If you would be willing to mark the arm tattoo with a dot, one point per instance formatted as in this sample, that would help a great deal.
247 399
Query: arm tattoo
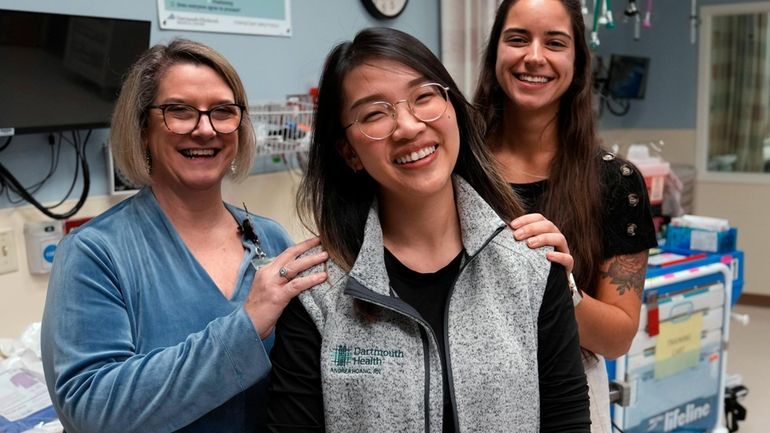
627 272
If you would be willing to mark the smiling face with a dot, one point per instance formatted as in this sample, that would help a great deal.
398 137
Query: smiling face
199 160
535 56
417 159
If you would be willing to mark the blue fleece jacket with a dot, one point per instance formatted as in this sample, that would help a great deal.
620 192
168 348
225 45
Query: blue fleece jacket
136 336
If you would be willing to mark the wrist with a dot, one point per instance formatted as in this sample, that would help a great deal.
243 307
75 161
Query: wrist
258 322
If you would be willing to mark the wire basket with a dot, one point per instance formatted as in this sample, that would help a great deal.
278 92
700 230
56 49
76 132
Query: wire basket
282 128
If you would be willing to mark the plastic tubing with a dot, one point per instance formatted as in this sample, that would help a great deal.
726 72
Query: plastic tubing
648 15
595 28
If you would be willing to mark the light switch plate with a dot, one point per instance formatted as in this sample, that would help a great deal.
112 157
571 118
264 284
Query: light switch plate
8 256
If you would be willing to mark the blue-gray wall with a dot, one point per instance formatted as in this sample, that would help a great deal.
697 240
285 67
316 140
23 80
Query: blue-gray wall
671 97
271 67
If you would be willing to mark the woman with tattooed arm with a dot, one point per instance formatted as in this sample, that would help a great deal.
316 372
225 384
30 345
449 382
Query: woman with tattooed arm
535 94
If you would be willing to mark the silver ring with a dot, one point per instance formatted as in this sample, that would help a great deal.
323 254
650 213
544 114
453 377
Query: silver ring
283 273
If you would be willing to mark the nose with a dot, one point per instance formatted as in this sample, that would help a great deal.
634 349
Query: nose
407 125
204 128
535 54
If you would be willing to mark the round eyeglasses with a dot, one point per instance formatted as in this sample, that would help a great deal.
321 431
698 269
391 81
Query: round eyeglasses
182 119
378 120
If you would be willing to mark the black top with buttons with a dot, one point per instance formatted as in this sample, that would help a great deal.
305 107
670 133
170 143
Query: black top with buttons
625 212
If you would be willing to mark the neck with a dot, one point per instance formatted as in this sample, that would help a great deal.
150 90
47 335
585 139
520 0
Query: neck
423 233
530 131
192 211
526 144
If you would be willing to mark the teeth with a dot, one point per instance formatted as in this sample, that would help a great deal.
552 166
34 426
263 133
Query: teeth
533 78
192 153
417 155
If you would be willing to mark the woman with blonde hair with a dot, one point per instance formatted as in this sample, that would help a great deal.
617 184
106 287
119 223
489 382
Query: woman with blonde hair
160 311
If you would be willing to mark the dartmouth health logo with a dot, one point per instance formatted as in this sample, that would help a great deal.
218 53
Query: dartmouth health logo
341 356
360 360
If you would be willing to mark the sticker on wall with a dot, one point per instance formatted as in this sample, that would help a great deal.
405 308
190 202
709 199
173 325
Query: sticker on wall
264 17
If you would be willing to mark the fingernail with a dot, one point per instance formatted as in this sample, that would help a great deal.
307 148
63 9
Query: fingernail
518 233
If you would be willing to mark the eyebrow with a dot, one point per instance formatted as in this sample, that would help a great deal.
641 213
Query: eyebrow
182 101
379 97
518 30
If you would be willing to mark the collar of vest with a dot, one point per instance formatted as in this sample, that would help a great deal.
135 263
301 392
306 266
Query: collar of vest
478 224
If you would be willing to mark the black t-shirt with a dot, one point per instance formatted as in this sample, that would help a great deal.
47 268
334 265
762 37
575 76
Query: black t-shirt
627 226
295 401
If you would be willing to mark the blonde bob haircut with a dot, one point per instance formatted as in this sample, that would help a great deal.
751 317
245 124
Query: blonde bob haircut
129 119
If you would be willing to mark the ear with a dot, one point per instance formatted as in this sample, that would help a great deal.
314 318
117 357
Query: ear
349 155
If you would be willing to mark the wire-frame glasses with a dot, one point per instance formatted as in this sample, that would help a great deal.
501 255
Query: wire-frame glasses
378 120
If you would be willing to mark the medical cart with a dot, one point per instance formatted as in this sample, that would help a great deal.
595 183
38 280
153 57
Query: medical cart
673 377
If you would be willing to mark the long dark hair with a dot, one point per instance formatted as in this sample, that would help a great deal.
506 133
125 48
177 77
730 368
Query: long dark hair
336 199
573 195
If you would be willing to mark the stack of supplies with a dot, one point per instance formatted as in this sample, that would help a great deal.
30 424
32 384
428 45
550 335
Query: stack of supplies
699 233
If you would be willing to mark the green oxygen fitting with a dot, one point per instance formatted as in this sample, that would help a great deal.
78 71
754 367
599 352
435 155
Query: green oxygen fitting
595 27
608 14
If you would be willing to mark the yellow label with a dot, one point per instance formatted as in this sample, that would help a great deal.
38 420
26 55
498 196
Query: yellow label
678 345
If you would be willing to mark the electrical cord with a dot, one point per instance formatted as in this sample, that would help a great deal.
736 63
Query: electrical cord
3 187
13 184
55 153
32 189
7 142
80 154
617 106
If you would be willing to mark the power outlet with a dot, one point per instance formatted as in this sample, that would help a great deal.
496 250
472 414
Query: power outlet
8 259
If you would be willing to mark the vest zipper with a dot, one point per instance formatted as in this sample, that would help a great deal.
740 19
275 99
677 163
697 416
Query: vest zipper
359 291
363 294
426 362
450 376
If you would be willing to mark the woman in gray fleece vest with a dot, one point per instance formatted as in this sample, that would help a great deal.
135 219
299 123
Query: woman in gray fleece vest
433 318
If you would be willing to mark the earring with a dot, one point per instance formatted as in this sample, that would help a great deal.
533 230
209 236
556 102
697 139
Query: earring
355 165
147 161
233 167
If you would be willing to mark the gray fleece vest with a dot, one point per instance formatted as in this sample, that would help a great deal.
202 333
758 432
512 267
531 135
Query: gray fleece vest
380 365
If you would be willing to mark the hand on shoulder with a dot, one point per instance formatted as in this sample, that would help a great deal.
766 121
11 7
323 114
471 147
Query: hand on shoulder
537 231
276 283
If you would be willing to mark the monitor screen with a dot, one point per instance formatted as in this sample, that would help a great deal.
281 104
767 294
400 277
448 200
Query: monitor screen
63 72
627 78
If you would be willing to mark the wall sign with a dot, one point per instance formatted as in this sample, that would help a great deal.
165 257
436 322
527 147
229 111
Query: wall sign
263 17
